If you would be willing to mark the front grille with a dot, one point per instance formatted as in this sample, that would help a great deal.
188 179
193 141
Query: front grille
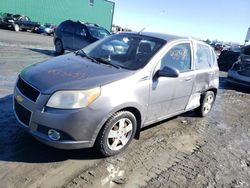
22 113
27 90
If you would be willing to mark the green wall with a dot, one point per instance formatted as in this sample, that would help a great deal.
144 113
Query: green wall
56 11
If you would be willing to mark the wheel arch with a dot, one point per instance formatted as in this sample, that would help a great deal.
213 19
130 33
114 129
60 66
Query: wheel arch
138 117
200 110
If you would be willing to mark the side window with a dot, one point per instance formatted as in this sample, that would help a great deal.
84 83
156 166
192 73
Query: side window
63 26
70 27
203 58
178 57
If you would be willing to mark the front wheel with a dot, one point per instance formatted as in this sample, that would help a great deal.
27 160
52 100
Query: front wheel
207 101
117 133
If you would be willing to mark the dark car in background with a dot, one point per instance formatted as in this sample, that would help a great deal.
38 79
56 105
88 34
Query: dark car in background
17 22
47 29
74 35
218 47
228 57
240 72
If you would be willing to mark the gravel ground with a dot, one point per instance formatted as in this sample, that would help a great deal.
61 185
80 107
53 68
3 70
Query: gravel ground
184 151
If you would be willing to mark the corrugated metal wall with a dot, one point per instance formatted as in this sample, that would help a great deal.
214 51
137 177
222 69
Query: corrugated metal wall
56 11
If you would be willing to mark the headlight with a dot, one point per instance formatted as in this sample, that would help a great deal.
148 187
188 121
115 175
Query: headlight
73 99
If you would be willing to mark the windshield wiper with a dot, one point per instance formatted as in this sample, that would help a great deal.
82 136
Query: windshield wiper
97 60
83 54
106 61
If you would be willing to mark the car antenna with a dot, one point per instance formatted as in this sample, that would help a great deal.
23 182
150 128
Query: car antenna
141 30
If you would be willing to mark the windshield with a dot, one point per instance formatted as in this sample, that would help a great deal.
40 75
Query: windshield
98 32
129 51
16 16
5 15
47 25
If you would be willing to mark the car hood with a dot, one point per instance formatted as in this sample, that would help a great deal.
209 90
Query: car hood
70 72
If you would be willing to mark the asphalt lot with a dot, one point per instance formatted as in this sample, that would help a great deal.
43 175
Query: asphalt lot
25 39
185 151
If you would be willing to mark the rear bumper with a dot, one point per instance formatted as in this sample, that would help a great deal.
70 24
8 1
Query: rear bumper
235 78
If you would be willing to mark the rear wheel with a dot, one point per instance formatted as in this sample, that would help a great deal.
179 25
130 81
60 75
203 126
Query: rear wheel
207 101
59 47
117 133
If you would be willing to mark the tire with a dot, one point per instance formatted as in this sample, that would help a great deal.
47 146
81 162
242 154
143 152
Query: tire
116 134
59 47
34 30
207 101
16 28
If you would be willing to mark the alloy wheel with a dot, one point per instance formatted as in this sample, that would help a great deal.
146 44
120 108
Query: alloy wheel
119 134
208 103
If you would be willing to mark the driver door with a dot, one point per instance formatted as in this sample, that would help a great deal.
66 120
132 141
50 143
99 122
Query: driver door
170 95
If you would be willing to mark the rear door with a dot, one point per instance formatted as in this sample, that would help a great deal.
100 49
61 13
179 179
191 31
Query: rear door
171 95
26 23
67 35
21 21
205 67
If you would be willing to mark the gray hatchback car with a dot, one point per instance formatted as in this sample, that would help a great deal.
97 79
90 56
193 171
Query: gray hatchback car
105 93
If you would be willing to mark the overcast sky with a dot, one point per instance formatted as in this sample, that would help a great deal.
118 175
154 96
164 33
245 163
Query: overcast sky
226 20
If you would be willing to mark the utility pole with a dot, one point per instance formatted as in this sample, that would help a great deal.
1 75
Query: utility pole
247 36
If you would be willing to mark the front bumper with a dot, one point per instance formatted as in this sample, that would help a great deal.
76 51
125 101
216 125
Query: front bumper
235 78
78 127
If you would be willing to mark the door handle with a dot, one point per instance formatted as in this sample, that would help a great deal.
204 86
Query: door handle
188 79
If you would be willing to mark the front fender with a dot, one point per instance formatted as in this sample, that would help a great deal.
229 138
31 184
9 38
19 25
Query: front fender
118 108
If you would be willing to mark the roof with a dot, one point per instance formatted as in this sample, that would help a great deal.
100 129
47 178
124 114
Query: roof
163 36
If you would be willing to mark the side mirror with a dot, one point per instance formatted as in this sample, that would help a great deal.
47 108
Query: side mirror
168 72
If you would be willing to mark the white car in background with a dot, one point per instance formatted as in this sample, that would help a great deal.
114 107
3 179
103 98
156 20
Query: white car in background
46 29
